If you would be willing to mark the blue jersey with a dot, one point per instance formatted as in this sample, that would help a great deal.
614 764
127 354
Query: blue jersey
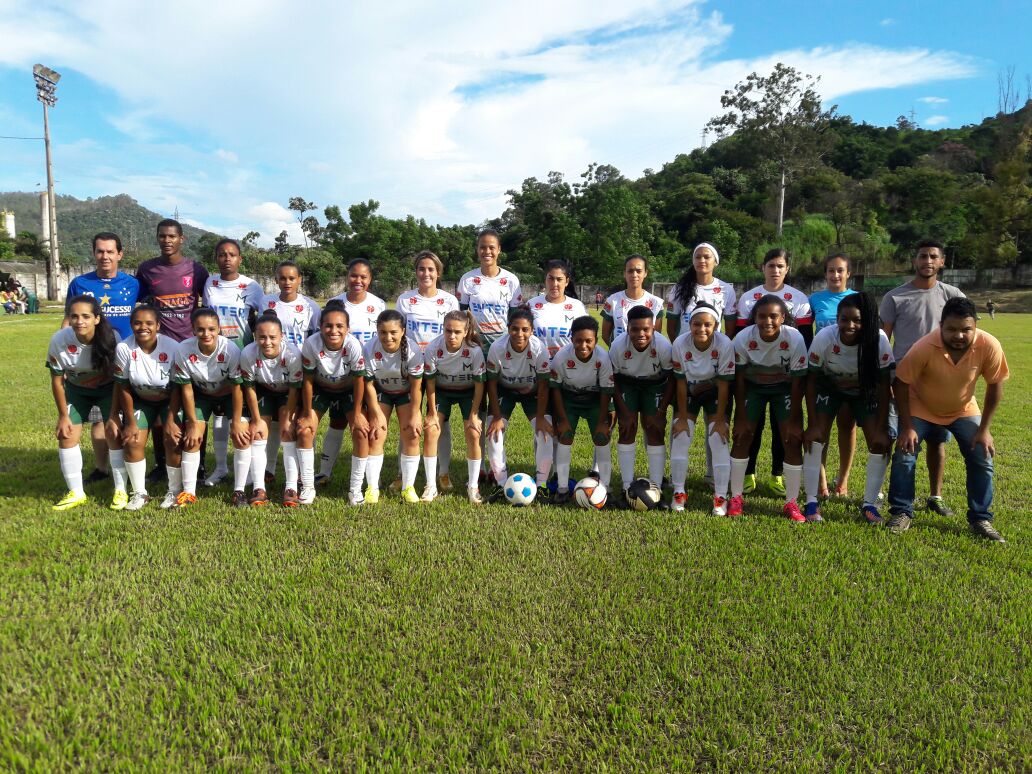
825 307
117 296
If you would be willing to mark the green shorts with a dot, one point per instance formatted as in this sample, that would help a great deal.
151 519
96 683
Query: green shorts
394 398
81 400
778 396
149 413
642 397
830 400
338 404
578 408
448 398
509 399
269 402
206 405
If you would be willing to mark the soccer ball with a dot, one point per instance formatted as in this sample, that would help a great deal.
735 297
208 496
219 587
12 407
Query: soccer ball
590 493
520 489
643 495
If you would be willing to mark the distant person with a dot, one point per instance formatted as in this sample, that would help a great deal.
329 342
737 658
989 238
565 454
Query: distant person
907 313
990 306
935 391
599 298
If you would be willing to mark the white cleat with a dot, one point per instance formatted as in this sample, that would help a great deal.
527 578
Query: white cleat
429 494
217 477
171 500
356 498
474 496
137 501
307 495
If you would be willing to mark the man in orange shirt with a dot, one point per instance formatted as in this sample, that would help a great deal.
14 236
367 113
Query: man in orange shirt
935 389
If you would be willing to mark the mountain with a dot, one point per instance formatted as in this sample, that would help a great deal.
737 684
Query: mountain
78 221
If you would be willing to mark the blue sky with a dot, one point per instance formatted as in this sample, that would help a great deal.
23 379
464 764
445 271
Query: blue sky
226 110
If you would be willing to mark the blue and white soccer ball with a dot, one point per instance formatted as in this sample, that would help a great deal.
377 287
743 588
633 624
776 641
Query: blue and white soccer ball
520 489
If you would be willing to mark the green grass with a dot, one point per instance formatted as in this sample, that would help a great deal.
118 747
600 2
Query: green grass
447 637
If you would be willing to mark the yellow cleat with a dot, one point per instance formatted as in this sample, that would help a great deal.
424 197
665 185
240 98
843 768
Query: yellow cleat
69 501
408 495
372 496
119 500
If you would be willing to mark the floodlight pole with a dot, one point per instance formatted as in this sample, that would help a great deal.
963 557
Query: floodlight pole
46 86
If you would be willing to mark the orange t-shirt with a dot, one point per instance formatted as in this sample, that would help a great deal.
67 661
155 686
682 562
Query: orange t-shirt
941 390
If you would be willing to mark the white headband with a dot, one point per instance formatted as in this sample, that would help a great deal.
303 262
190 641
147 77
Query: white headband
716 255
703 310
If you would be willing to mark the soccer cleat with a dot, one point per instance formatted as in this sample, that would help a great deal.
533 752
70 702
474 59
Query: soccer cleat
812 512
356 498
306 496
561 497
474 495
899 523
544 495
777 486
719 505
259 498
870 514
395 484
985 529
372 496
321 481
137 501
750 484
119 499
169 501
735 506
939 506
95 476
429 494
217 477
444 483
792 512
678 501
408 495
70 500
238 499
185 498
290 498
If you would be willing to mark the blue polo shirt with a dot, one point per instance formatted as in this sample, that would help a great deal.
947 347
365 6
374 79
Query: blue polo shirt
117 296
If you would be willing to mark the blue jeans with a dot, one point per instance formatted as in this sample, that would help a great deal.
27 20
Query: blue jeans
979 468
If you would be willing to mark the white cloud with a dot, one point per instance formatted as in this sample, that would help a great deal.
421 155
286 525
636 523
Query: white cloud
434 110
887 22
935 120
933 100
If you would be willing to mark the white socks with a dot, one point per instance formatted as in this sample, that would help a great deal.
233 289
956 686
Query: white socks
738 468
604 463
473 471
306 468
358 469
430 469
259 450
563 458
289 461
793 476
242 468
542 453
116 461
812 470
409 465
137 474
71 468
175 479
625 454
191 462
877 464
496 454
273 448
220 436
657 463
720 453
330 450
679 446
374 464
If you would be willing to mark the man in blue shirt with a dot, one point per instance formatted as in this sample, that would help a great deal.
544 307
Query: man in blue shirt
117 293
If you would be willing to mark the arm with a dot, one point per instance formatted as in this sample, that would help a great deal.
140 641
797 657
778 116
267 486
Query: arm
624 414
907 441
173 431
124 400
478 400
114 420
293 402
602 428
807 331
984 438
359 421
194 427
730 325
414 427
681 409
494 409
607 331
377 421
562 424
258 428
720 426
64 422
673 325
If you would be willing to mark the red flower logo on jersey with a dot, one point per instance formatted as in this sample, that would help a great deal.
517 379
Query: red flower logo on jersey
258 363
836 349
465 353
502 281
783 345
788 296
757 296
72 348
627 354
370 309
440 353
378 355
508 356
440 302
193 358
567 307
306 361
215 283
299 308
476 280
162 357
753 345
885 357
221 358
598 364
814 357
242 286
714 355
570 364
717 290
134 354
528 353
272 305
648 304
687 356
412 300
652 352
538 305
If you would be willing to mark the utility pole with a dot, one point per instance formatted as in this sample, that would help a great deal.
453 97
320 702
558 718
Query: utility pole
46 92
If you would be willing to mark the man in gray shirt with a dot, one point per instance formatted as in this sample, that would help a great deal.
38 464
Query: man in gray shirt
908 313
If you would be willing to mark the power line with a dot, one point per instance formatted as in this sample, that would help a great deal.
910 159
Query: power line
7 137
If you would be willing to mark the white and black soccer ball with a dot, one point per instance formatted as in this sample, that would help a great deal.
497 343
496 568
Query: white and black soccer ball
590 493
520 489
643 495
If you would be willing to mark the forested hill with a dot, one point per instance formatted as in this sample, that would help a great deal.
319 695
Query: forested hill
79 220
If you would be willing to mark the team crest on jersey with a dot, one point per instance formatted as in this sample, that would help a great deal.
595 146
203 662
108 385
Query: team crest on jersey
440 353
72 348
814 357
378 355
440 302
567 307
570 364
272 305
508 356
648 304
299 308
627 354
885 357
306 361
412 300
836 349
623 302
322 353
652 352
283 363
717 290
687 355
753 345
465 353
538 305
757 296
162 357
714 355
476 280
370 309
242 286
214 283
598 364
188 281
193 358
503 281
783 345
788 296
221 358
529 353
554 374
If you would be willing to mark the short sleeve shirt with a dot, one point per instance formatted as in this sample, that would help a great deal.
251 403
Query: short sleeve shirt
175 289
572 375
388 370
770 362
552 321
718 294
703 367
233 301
212 374
618 305
148 374
458 370
489 299
424 317
941 390
824 304
334 369
116 295
837 362
362 316
299 318
69 356
519 371
651 365
796 301
914 312
277 374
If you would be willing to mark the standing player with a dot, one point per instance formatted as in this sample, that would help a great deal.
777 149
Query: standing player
581 380
237 300
697 285
908 313
614 312
704 369
554 311
81 359
489 291
641 369
117 293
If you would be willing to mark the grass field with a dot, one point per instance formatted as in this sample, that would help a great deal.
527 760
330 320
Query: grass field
446 637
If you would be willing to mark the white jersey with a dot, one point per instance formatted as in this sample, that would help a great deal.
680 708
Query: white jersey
276 374
552 321
362 316
233 301
701 368
837 362
334 369
572 375
209 374
457 370
424 317
770 362
651 365
618 305
718 294
300 317
489 299
519 371
796 301
388 370
67 355
148 374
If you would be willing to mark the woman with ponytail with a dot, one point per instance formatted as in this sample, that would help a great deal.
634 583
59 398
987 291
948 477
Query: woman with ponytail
849 364
697 285
81 360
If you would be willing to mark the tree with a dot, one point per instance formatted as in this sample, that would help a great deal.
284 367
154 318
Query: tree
281 246
300 205
250 240
782 116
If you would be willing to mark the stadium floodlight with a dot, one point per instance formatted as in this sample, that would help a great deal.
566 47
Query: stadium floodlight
46 92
